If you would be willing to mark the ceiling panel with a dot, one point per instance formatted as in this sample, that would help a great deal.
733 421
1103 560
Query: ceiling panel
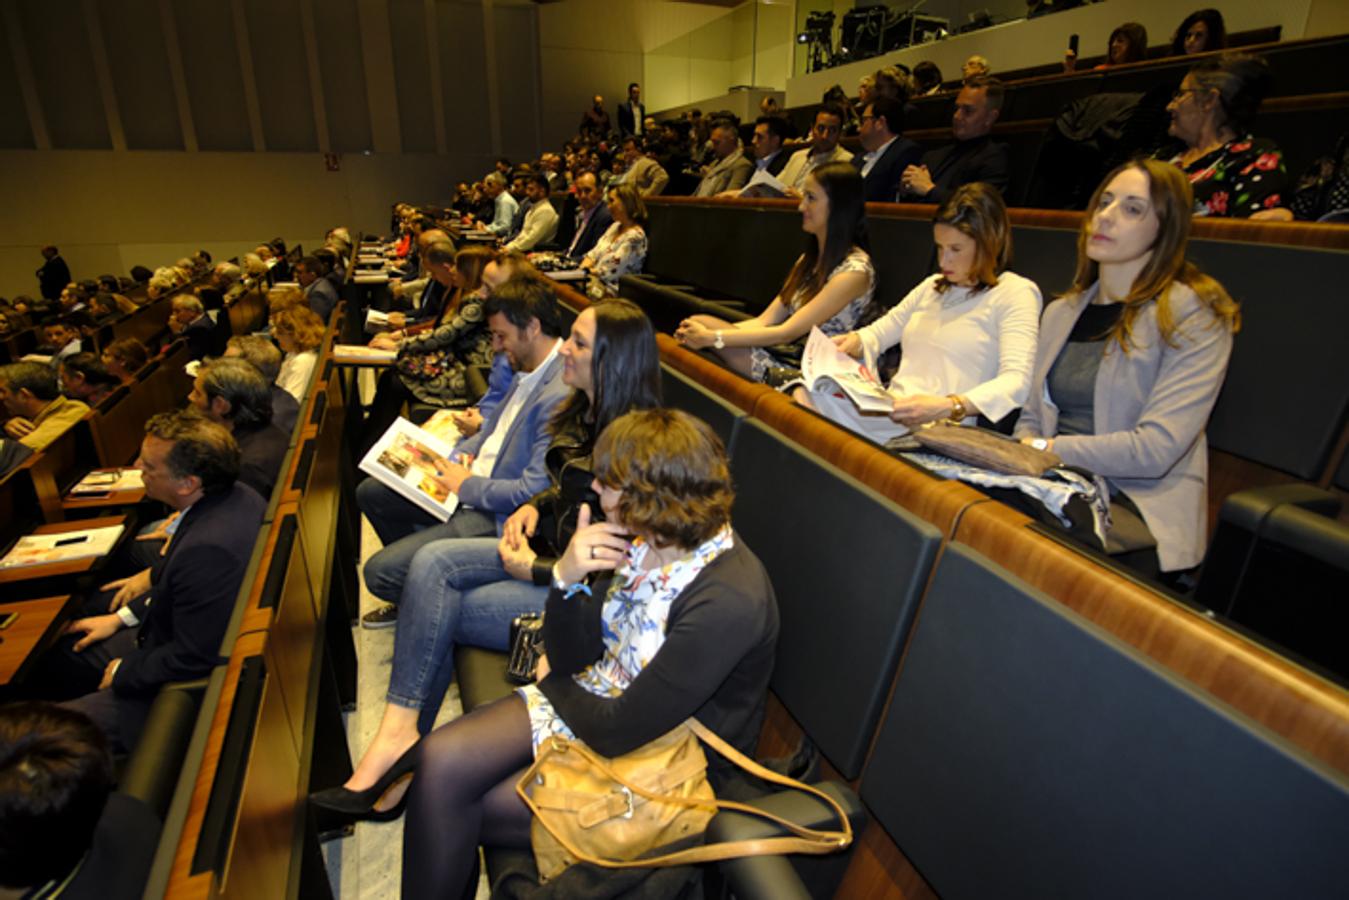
15 133
338 33
139 63
281 71
58 50
412 74
215 88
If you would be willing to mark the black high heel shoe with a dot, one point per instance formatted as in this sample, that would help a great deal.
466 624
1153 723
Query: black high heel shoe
360 805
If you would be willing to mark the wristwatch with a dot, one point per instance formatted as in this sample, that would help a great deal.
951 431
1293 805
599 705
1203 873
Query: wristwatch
957 408
1039 443
718 342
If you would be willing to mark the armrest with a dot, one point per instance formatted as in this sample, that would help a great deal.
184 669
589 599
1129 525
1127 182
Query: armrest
1249 509
781 877
151 772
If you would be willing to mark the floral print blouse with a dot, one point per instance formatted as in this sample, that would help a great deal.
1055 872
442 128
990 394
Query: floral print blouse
614 256
1243 176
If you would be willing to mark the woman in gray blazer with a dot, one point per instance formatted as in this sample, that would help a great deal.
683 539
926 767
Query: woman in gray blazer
1130 361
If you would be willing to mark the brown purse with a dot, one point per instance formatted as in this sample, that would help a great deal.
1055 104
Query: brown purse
618 813
985 449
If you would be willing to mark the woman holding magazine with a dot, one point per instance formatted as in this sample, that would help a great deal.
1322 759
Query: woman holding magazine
829 287
968 332
467 590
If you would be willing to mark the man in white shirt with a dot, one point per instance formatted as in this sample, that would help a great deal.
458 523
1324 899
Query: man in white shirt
503 204
540 225
823 149
495 470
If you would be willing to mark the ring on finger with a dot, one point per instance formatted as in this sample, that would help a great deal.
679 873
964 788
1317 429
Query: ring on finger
592 552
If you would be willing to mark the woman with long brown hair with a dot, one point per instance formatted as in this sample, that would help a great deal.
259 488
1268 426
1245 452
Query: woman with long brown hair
830 286
1130 363
968 332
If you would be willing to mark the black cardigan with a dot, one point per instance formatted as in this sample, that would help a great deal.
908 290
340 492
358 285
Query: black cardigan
715 663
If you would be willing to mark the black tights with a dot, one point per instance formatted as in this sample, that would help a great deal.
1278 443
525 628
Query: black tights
463 796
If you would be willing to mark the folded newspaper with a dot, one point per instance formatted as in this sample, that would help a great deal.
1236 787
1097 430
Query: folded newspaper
829 370
406 459
42 549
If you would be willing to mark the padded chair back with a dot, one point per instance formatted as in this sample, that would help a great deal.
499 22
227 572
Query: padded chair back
681 392
848 567
1027 750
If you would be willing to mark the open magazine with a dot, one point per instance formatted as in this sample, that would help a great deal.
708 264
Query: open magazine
359 353
762 184
42 549
829 370
404 459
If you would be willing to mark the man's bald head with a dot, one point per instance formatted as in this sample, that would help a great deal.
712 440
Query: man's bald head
587 189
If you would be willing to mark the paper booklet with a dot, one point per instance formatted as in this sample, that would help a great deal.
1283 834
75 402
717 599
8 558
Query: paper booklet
404 459
371 278
827 369
41 549
569 275
762 184
105 481
362 353
376 318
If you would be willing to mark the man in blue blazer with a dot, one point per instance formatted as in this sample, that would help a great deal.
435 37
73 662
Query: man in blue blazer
495 470
887 153
317 289
183 603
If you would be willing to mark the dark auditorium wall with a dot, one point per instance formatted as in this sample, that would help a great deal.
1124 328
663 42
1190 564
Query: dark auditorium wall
132 131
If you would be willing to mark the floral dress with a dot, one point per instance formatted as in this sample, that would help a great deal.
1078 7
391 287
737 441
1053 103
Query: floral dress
614 256
1243 176
632 625
845 320
433 366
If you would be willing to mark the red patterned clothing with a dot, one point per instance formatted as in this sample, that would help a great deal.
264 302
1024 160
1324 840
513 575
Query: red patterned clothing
1243 176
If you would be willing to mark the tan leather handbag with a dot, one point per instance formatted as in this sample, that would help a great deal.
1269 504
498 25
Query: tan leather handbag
985 449
618 813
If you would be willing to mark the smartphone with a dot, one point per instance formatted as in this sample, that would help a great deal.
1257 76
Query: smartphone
7 619
1072 43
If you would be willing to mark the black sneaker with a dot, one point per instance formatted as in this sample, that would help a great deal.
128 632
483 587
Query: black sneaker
384 617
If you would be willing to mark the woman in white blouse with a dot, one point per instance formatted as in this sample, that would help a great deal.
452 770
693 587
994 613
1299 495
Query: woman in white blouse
299 332
621 250
968 333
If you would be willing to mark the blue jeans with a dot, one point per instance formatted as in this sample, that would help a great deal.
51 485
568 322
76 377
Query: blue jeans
457 593
404 528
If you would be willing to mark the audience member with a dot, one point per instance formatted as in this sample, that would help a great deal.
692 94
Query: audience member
540 224
234 395
299 332
829 287
188 321
893 83
1128 44
592 216
887 154
125 357
973 157
769 106
632 113
866 89
86 379
503 204
467 590
595 121
495 470
38 414
824 149
974 67
769 133
552 169
643 173
730 170
688 625
65 831
54 274
140 274
621 250
1232 172
264 356
1129 365
62 338
926 79
182 605
836 97
968 333
1201 31
321 294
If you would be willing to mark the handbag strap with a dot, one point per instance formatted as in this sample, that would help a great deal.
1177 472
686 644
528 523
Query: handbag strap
803 839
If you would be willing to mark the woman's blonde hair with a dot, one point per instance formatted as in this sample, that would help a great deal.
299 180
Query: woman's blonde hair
976 210
303 325
633 204
1173 200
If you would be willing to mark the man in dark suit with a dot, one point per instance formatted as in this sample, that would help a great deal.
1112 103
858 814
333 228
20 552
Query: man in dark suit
188 320
233 394
973 157
264 356
631 112
769 133
887 153
592 216
54 275
309 276
183 603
